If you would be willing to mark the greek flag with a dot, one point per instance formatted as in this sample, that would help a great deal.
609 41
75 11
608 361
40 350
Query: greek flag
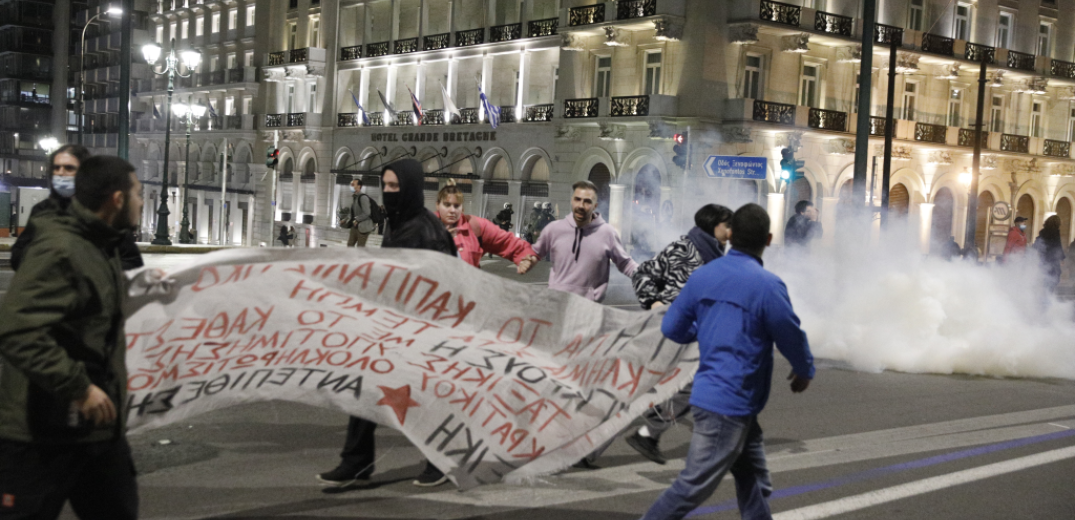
365 118
492 113
156 113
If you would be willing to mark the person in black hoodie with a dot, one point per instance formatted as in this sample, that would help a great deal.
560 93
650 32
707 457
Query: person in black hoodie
409 226
1050 251
65 163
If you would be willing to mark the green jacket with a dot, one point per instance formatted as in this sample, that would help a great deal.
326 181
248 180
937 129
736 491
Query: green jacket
62 328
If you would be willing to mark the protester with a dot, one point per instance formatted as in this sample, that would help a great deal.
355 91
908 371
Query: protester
475 236
359 216
544 220
735 309
657 283
503 219
409 226
1050 251
65 163
1016 244
284 236
581 246
803 227
63 402
950 249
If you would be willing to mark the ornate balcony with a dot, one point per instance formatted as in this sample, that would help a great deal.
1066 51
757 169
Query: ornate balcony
403 119
277 58
469 37
888 34
233 122
1057 148
300 55
375 50
376 118
296 119
1062 69
433 117
774 112
405 46
539 113
980 53
437 42
833 23
1021 61
217 77
781 13
537 28
1014 143
469 116
938 44
828 120
351 53
930 133
239 75
966 137
627 9
586 15
347 119
507 114
505 33
274 120
580 108
629 106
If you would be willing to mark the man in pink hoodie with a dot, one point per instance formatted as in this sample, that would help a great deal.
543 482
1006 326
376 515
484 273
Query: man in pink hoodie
580 247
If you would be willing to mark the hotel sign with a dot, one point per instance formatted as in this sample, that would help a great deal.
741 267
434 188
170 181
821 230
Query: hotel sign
435 137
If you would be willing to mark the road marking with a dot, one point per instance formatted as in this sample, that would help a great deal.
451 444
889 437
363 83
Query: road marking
1060 426
910 489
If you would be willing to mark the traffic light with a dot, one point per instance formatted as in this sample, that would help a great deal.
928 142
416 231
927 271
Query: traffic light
680 149
272 157
790 169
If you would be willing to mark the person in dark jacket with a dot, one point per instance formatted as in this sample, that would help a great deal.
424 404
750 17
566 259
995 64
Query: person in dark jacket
503 219
409 226
64 393
1050 251
65 163
657 283
803 227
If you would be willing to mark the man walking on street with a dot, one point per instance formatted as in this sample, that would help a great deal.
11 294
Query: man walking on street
736 310
359 217
581 246
64 394
803 227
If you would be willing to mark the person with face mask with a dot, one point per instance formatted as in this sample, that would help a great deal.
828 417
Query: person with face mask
63 402
359 216
65 163
1016 245
475 236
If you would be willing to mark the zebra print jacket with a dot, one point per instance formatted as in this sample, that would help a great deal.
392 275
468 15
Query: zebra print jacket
661 278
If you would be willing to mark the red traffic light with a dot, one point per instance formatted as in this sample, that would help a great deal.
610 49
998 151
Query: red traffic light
680 138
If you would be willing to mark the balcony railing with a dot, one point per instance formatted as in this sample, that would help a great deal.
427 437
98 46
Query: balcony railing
347 119
833 23
537 28
627 9
930 133
296 119
980 53
433 117
781 13
300 55
938 44
505 33
403 119
469 116
1057 148
507 114
628 106
1063 69
586 15
1021 61
374 50
237 75
277 58
233 122
966 137
580 108
828 120
376 118
774 112
469 37
437 42
351 53
888 34
405 46
538 113
274 120
1014 143
217 77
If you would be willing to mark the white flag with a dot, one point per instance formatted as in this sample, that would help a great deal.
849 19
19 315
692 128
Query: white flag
449 107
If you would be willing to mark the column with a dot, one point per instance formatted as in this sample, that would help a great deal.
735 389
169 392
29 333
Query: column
776 217
363 88
451 21
828 220
515 196
524 84
250 202
615 206
395 21
423 22
391 87
477 198
453 67
925 224
61 16
367 28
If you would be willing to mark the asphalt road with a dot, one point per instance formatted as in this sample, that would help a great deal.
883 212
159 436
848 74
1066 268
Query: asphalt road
855 445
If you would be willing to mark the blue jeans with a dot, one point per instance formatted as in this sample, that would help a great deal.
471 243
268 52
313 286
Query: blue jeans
720 443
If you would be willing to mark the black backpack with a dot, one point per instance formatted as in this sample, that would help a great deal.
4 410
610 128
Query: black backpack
376 212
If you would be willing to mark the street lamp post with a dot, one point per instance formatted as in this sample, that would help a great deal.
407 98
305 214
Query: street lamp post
191 59
187 113
115 11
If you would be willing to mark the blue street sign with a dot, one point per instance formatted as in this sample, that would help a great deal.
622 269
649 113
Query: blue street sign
735 167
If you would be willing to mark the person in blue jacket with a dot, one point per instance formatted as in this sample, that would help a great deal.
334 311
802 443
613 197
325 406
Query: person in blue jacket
736 310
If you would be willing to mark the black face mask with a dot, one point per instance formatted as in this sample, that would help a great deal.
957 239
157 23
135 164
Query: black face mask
392 201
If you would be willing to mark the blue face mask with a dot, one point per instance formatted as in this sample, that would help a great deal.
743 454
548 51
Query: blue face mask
64 186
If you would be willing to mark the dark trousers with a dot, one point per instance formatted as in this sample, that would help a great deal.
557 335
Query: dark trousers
97 478
358 449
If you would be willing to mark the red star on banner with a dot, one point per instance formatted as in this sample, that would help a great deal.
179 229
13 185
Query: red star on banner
399 399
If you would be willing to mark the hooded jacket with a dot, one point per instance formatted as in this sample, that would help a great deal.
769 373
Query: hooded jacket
410 225
62 329
580 256
129 254
661 278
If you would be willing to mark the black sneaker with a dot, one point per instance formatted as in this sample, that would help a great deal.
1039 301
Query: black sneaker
585 464
430 477
344 475
647 447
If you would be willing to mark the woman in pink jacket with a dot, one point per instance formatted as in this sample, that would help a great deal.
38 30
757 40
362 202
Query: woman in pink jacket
475 236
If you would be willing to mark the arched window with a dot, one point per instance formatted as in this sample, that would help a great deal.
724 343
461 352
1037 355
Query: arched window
602 178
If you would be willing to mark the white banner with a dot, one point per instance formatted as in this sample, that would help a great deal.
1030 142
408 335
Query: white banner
491 379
